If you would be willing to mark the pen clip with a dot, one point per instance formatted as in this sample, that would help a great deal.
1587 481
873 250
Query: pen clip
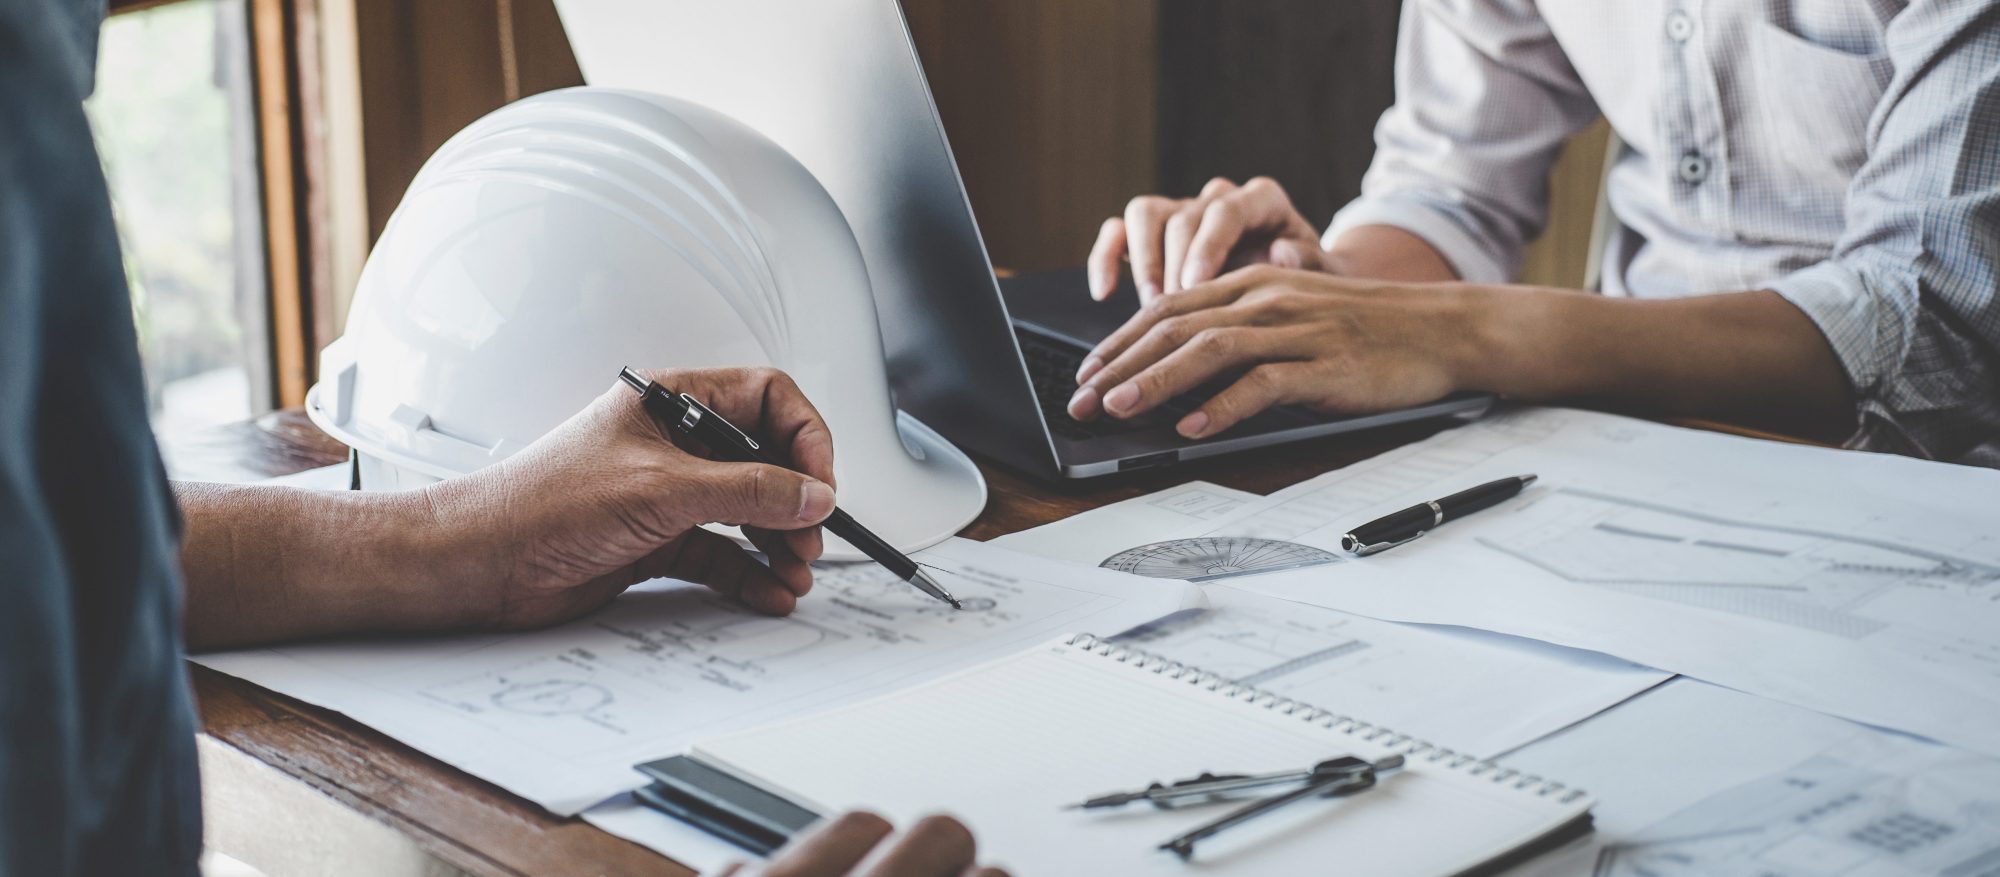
1360 550
697 412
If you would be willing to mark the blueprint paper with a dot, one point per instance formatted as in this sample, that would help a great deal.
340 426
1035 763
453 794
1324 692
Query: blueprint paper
559 716
1693 780
1862 585
1478 693
1469 690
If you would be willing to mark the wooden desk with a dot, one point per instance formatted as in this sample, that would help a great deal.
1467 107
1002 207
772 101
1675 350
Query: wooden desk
295 789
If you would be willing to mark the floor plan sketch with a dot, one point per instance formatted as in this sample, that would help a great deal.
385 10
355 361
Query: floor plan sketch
1830 816
692 641
559 715
1845 584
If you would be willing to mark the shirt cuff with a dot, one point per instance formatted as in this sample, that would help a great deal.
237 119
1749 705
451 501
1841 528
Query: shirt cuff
1865 333
1467 255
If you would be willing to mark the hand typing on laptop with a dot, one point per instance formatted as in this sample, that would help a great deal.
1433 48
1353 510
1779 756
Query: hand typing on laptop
1380 319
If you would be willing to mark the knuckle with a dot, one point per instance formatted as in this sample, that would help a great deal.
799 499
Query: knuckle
761 488
1265 379
1264 296
1111 225
1184 220
1148 205
1264 186
1174 330
1262 274
1222 210
1218 184
1214 341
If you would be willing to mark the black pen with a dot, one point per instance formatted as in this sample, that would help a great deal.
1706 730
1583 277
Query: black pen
686 415
1396 528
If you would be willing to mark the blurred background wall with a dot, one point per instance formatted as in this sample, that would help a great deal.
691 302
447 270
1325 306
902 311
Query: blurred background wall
1058 110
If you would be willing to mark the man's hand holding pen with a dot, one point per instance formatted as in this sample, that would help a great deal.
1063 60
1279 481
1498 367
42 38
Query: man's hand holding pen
611 498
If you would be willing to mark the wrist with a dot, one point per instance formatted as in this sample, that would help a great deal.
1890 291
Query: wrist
1495 338
1513 341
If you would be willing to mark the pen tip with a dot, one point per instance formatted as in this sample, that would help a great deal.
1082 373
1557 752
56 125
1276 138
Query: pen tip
1528 479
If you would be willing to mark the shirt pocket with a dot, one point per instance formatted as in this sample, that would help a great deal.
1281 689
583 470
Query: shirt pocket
1815 102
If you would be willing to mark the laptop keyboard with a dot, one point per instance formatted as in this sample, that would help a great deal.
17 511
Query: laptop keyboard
1052 366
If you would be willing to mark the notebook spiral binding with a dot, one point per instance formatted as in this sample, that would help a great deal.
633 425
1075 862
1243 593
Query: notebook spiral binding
1411 747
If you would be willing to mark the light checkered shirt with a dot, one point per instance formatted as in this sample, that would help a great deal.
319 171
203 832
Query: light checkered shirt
1844 153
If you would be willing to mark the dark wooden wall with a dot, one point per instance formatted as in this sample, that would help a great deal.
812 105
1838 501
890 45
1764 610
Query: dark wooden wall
428 69
1051 108
1058 110
1288 89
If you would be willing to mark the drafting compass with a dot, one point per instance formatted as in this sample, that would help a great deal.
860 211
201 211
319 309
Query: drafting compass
1332 778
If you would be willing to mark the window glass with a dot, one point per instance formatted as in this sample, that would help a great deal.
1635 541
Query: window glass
174 119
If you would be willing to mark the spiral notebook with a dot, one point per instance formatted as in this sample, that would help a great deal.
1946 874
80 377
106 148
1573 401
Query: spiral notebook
1007 745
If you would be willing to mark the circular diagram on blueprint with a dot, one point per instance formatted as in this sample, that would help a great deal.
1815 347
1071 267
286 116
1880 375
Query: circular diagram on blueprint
1212 558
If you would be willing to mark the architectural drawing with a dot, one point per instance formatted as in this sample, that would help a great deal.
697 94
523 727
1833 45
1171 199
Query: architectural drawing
1845 584
1830 816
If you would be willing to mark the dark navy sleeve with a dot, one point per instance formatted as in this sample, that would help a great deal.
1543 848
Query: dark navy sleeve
97 763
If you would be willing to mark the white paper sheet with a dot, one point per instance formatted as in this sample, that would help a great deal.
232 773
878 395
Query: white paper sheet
703 852
559 716
1692 779
1090 537
1476 692
1858 584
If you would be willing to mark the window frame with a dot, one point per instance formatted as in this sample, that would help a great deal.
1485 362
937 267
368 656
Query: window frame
286 81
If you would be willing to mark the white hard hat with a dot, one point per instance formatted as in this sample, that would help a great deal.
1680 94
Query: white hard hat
569 234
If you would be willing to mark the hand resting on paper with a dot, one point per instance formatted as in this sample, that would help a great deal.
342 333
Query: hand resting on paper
858 844
604 501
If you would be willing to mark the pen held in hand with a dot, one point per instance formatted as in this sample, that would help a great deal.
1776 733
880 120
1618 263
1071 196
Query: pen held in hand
687 416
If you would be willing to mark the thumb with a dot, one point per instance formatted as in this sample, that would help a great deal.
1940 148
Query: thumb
760 495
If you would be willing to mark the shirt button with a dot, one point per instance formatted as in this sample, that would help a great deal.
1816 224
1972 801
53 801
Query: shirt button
1693 168
1679 26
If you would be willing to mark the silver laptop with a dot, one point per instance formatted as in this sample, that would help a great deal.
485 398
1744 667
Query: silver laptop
989 363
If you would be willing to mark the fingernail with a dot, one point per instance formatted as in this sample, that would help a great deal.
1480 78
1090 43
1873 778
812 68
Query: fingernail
1090 366
1194 424
815 501
1082 404
1121 398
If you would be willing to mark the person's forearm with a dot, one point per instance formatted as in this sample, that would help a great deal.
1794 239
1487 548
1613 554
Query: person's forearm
1385 252
272 563
1744 357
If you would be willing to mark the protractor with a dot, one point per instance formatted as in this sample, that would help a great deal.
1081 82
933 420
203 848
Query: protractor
1210 558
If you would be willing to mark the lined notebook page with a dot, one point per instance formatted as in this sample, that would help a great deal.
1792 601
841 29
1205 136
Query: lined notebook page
1007 745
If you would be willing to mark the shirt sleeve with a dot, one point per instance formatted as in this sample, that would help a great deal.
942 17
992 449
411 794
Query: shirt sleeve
1485 99
1910 298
